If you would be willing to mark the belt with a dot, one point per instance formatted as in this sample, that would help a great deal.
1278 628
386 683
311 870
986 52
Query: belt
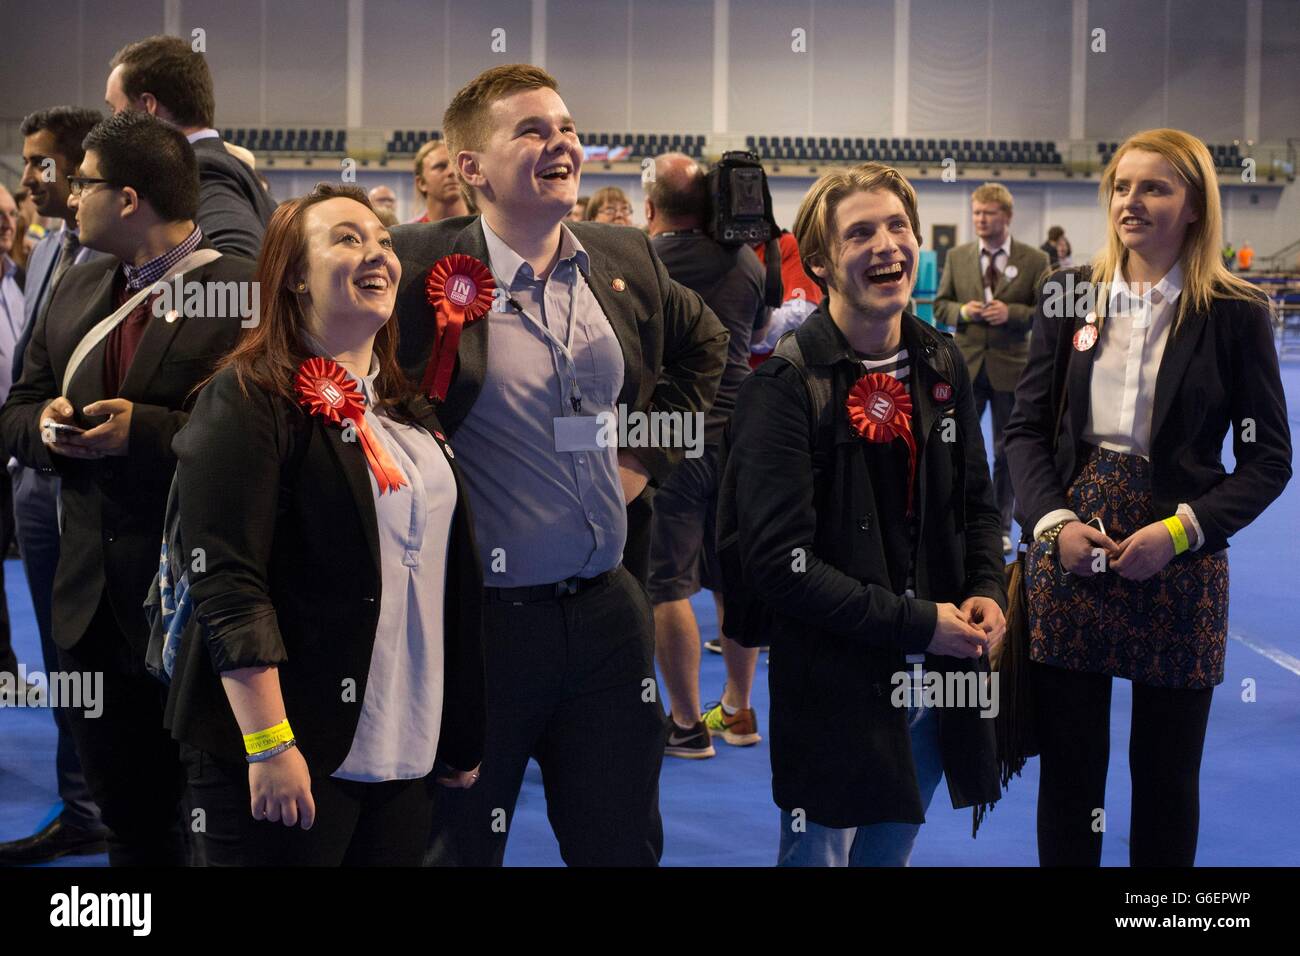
537 593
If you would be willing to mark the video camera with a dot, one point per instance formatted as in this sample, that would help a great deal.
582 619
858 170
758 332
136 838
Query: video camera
740 212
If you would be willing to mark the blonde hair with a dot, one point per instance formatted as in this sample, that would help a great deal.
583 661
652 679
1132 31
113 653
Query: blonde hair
1204 275
994 192
605 196
814 224
421 155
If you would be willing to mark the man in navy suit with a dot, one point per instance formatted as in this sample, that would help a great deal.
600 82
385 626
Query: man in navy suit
51 152
162 75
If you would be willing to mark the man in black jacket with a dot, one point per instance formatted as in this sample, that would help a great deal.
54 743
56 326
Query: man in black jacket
162 75
101 410
587 328
868 531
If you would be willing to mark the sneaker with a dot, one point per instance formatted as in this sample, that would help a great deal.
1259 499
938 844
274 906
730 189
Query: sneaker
739 729
713 646
693 744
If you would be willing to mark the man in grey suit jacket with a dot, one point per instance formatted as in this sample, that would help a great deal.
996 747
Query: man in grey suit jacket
51 152
587 328
988 291
162 75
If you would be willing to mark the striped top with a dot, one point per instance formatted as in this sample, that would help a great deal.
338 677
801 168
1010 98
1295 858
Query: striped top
899 366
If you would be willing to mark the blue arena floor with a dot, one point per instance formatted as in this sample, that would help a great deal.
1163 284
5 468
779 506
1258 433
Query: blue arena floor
719 812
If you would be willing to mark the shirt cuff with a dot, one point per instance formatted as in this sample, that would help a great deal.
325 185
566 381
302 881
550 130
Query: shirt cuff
1053 518
1185 511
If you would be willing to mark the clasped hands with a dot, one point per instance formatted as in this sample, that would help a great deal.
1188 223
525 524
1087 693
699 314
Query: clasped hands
993 313
1136 558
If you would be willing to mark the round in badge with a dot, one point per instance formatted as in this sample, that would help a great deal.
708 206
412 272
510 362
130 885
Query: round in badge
1091 318
1011 272
1085 338
941 391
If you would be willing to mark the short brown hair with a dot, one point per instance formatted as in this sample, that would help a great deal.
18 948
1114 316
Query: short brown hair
605 196
814 224
177 76
994 192
424 151
465 123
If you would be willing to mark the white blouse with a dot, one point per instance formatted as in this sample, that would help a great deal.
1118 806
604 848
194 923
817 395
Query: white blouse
401 713
1122 391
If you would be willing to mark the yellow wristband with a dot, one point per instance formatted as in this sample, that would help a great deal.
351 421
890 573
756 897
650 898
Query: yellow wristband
266 739
1177 532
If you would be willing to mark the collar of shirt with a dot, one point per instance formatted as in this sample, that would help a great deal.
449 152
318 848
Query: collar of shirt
506 263
138 277
367 382
1166 290
203 134
8 267
1005 247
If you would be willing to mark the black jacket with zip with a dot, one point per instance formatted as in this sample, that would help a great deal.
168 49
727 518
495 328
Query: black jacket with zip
810 547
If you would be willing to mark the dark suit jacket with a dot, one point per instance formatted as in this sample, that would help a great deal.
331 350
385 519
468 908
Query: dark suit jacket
283 508
38 292
837 629
113 507
234 209
1219 370
674 347
1001 349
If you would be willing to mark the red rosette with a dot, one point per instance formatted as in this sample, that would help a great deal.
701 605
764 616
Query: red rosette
325 389
880 410
460 289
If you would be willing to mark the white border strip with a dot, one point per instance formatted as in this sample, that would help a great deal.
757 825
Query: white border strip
1280 658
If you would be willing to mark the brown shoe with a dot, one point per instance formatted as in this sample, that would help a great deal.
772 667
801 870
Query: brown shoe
739 729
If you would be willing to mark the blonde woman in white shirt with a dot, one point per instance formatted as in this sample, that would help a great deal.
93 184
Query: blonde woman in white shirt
1128 500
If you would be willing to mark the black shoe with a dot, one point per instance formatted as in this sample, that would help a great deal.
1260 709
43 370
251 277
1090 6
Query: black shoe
55 840
692 744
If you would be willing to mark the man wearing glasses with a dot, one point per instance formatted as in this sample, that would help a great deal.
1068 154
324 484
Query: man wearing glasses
107 381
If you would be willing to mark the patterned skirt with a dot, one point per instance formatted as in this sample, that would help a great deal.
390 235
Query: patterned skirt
1168 631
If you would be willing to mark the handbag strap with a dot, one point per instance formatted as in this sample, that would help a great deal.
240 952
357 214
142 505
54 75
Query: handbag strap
101 329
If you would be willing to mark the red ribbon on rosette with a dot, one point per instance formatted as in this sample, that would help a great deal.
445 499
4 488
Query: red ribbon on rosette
460 289
880 410
325 389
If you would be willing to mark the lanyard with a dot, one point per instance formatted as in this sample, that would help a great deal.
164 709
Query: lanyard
559 349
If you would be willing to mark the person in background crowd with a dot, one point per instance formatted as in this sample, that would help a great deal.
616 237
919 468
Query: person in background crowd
382 198
579 210
1052 247
802 296
683 556
11 327
163 76
609 204
987 292
1128 500
349 781
436 184
105 422
27 217
51 153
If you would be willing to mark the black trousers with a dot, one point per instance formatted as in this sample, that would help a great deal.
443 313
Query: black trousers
357 824
1003 403
130 761
571 683
1072 713
36 525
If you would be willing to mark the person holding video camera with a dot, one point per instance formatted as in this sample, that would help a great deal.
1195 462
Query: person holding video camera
682 554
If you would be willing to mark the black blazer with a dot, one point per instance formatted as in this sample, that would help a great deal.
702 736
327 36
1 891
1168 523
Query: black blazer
282 506
674 348
113 507
1219 369
837 630
234 209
